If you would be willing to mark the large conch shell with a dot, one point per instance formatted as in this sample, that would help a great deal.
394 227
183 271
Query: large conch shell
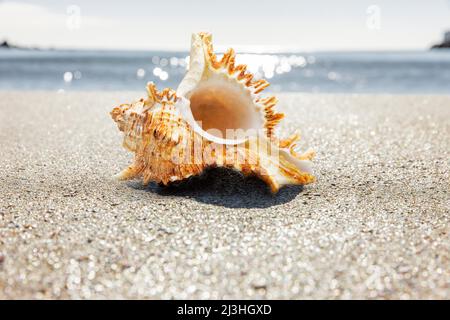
216 118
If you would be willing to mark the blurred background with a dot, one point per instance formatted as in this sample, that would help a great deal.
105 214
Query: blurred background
351 46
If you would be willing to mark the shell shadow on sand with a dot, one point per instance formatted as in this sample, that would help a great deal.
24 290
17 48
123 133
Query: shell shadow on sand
225 187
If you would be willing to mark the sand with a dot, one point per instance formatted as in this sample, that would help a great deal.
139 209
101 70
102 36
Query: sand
375 225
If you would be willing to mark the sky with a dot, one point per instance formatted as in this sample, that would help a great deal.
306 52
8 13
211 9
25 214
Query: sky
280 25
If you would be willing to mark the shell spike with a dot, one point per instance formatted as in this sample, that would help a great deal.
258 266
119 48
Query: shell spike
260 85
241 70
151 94
228 59
289 142
128 173
308 155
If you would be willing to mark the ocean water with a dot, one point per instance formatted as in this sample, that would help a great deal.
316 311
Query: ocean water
425 72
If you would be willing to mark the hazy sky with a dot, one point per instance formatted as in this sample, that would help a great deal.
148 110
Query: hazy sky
278 24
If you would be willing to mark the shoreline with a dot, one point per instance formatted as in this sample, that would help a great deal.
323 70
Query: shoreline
374 225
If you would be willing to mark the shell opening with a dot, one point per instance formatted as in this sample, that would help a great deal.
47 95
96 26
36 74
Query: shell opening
224 109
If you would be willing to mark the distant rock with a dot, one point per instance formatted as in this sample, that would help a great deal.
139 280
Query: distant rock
5 45
445 43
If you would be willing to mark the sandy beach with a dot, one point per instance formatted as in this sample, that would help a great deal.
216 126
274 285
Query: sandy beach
376 223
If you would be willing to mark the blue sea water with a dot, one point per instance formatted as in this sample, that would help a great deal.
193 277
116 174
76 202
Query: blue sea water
327 72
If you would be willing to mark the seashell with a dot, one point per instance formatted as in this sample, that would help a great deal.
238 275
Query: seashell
216 118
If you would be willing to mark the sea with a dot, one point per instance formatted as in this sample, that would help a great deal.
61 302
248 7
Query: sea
407 72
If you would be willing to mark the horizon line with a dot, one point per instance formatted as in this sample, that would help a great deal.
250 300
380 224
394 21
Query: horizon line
255 49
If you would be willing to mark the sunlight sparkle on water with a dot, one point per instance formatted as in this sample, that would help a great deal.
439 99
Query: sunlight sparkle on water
68 77
140 73
157 71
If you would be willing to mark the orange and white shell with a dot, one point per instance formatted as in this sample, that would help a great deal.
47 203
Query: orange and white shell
216 118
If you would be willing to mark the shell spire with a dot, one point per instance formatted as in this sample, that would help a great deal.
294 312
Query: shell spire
216 117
